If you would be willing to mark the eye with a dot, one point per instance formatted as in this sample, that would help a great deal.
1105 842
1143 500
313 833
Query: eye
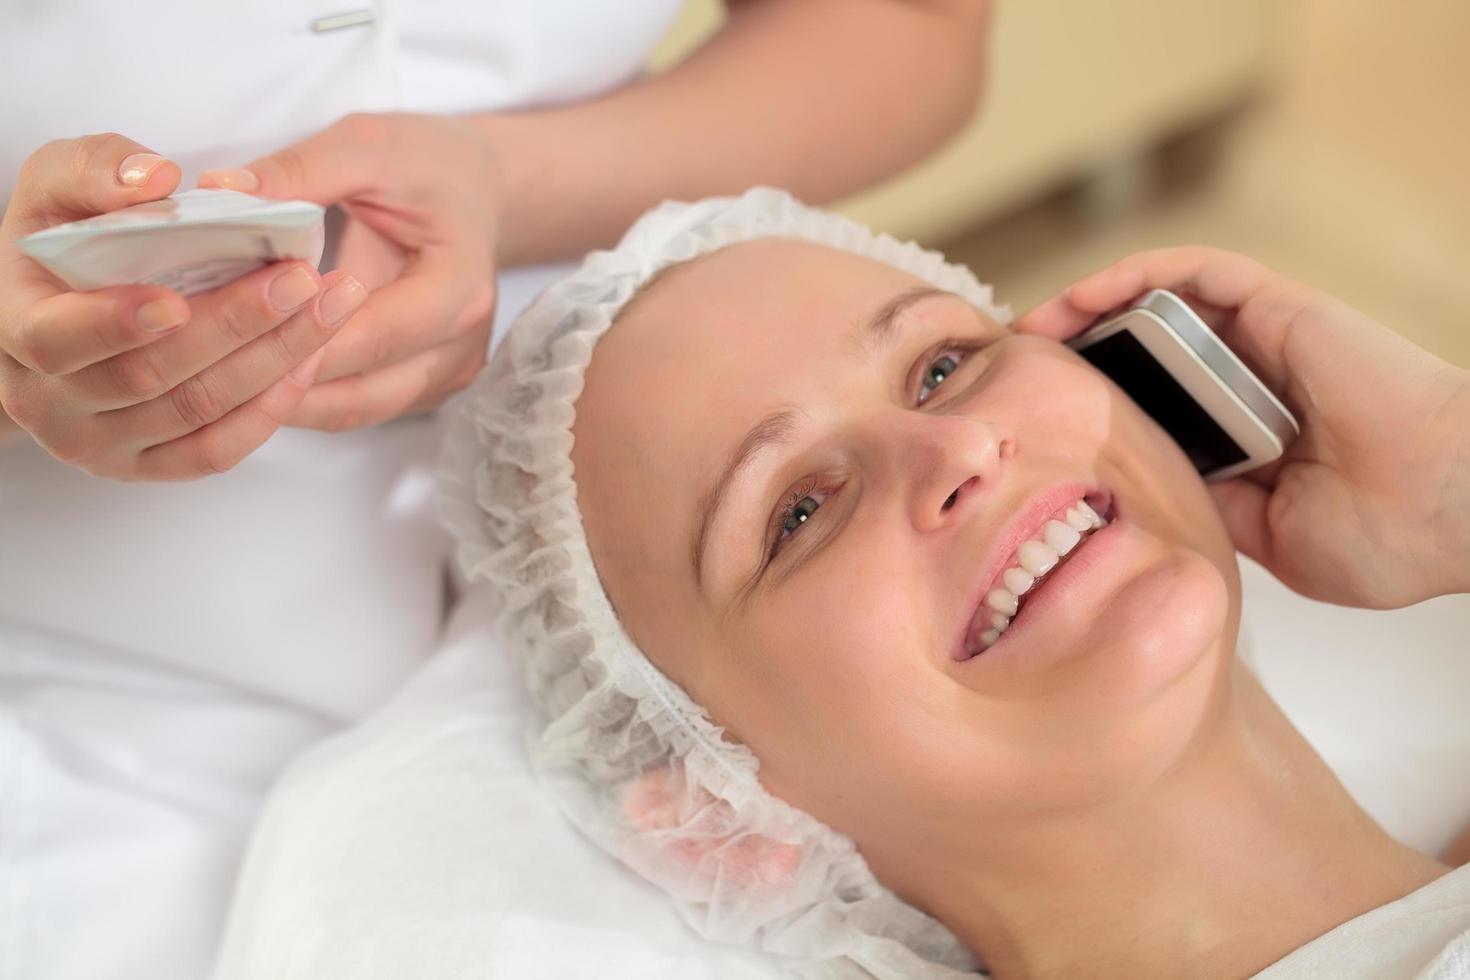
797 508
938 370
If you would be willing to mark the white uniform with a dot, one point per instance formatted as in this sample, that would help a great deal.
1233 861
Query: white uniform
165 648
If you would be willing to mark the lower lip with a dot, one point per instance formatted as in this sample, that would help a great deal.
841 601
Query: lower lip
1065 585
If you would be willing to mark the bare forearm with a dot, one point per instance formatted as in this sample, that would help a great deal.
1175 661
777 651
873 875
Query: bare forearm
822 97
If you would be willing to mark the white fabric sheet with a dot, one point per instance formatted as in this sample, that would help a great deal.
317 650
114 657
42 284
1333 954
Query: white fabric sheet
1422 936
420 839
419 844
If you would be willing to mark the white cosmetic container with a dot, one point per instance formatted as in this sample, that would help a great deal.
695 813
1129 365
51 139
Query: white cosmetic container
190 242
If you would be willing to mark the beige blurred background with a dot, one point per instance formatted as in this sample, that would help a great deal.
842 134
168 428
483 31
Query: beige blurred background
1328 138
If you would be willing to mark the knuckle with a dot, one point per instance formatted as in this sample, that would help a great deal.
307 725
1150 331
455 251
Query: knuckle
134 376
282 349
236 321
379 348
291 165
198 402
365 127
92 152
30 347
73 447
25 409
343 419
481 304
39 164
214 457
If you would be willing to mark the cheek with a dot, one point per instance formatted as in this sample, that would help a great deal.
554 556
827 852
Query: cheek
836 676
1072 410
1053 403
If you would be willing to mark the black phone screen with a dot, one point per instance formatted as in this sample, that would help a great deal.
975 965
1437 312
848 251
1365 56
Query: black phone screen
1132 368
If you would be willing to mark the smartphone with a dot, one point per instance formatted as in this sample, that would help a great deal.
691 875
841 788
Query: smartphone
1173 366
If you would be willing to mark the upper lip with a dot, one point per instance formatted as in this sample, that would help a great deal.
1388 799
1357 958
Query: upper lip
1027 520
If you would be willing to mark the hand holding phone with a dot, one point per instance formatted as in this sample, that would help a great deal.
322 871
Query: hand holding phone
1370 505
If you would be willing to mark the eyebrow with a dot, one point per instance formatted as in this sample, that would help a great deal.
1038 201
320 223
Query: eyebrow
773 430
777 428
879 328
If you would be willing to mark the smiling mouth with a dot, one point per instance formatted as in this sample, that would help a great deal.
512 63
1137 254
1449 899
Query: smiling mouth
1036 559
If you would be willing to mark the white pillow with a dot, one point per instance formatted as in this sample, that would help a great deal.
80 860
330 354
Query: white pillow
419 845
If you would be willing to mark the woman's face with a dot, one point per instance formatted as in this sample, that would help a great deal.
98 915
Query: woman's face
801 473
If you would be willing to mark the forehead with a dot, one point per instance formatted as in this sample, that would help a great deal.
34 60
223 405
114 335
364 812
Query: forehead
750 306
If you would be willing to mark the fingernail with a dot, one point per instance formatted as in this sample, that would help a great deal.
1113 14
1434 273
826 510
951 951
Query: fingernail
232 180
304 372
344 297
136 169
291 289
158 315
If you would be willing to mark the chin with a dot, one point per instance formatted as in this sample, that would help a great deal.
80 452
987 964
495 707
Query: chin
1154 676
1176 619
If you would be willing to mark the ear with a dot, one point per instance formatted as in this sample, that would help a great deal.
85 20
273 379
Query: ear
696 833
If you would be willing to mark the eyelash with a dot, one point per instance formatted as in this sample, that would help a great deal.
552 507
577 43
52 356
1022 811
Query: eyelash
812 485
777 533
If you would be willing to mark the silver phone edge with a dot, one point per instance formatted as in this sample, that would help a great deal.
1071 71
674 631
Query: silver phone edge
1223 361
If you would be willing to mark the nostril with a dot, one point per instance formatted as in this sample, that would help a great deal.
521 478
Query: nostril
955 496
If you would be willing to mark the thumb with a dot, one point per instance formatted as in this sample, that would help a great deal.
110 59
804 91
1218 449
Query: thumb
1243 505
69 179
325 168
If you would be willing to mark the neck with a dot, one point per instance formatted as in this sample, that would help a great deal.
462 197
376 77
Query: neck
1243 851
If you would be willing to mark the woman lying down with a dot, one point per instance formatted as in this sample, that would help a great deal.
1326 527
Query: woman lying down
901 644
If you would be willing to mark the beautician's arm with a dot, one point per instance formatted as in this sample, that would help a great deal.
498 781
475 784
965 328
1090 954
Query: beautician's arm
820 97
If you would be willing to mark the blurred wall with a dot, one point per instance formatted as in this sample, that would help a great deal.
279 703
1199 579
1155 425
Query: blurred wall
1074 86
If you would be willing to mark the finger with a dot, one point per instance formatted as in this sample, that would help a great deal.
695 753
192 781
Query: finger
220 446
1057 319
410 315
217 390
1243 505
77 178
223 320
342 160
1223 279
1215 281
69 331
415 385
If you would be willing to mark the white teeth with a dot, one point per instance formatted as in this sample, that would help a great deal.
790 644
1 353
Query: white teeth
1037 558
1059 537
1089 513
1077 520
1018 581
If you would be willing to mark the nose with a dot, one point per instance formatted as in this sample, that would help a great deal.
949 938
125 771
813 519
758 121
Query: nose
948 462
